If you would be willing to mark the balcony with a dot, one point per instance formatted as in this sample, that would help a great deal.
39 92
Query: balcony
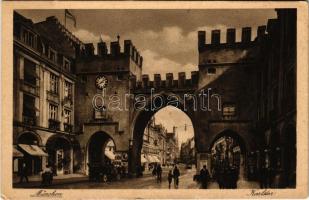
30 120
30 88
68 127
67 101
52 96
54 124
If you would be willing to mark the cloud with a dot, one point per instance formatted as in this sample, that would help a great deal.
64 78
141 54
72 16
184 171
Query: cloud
155 63
90 37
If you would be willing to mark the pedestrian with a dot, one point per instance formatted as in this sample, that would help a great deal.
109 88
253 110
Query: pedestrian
176 175
159 173
47 176
23 173
204 177
154 171
169 178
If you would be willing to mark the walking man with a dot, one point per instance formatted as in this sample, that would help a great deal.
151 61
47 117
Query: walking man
159 173
176 175
204 176
169 178
23 173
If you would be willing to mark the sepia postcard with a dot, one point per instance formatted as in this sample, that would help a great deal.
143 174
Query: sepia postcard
154 100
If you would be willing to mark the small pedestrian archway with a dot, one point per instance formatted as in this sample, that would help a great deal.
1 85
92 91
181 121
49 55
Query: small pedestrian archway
97 147
228 151
60 154
141 119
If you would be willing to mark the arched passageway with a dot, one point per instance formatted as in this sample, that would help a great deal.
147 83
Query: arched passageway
141 131
96 149
60 154
228 159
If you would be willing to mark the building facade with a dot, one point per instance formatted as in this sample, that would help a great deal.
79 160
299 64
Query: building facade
154 144
44 82
276 114
188 152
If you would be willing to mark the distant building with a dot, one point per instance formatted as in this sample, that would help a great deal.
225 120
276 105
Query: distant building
154 144
188 152
172 152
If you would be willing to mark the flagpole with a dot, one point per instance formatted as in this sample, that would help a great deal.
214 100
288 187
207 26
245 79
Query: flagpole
65 19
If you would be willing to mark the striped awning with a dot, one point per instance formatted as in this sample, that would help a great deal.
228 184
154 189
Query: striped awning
110 155
16 153
143 159
33 150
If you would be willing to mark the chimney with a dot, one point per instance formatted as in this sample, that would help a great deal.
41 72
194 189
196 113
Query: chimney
201 39
261 30
230 35
215 37
102 49
115 48
89 49
128 47
246 34
141 61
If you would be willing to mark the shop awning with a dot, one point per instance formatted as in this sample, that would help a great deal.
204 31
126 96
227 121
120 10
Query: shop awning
157 159
17 154
33 150
143 159
110 155
152 159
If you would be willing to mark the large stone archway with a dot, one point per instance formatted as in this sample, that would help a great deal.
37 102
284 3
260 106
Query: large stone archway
141 119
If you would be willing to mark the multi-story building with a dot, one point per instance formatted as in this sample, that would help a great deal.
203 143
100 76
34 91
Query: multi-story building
44 62
276 114
188 152
172 149
154 144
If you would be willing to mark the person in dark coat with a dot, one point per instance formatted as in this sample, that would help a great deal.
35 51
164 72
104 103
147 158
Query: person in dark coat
169 178
204 177
159 173
24 173
176 175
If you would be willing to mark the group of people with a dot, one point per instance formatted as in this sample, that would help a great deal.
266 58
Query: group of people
47 175
172 174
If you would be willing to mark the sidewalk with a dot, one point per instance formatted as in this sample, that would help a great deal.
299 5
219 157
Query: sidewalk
35 181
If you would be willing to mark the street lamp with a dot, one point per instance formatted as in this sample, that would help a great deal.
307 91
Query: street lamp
130 169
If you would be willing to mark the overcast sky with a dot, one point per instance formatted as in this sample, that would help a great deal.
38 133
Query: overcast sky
167 39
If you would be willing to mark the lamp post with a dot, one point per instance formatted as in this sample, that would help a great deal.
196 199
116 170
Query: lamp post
130 168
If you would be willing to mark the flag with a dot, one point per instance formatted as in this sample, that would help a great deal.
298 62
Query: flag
70 16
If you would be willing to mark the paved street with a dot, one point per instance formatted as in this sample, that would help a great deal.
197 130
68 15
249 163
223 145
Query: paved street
149 182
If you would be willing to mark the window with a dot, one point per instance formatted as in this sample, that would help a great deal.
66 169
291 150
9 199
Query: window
229 110
28 106
52 55
66 64
67 116
53 112
67 89
30 72
211 70
28 38
54 83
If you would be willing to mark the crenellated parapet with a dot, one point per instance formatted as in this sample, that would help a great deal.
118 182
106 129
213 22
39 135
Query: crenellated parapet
169 83
115 51
246 38
73 40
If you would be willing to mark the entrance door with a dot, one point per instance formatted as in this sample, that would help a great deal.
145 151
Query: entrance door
59 161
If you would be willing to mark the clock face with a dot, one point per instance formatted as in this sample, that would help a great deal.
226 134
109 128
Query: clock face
101 82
